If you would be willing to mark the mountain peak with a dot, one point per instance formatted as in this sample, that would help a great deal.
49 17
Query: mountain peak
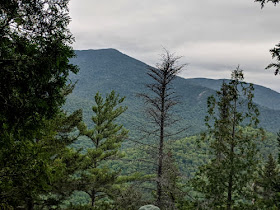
100 51
108 69
104 50
108 55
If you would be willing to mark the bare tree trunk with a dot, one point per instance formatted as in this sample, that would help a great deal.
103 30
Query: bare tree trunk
159 174
161 143
158 109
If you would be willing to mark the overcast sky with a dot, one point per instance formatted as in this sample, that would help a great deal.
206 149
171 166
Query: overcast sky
212 36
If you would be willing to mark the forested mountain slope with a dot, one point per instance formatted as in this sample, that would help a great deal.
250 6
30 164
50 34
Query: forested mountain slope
263 96
108 69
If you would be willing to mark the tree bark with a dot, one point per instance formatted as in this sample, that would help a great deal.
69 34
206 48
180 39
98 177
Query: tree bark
230 181
160 156
30 203
93 195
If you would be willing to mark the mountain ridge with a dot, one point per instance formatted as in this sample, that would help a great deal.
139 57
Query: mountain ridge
108 69
268 100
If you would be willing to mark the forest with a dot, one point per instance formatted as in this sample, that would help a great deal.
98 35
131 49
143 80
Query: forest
94 140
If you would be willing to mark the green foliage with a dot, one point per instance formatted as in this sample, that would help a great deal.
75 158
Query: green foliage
34 61
129 198
107 70
96 179
40 171
225 179
275 52
63 161
187 156
265 97
267 185
172 190
23 172
34 68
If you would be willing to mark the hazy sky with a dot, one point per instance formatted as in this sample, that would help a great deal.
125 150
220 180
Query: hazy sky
212 36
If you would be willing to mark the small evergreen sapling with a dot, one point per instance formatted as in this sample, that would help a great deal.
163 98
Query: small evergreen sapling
267 185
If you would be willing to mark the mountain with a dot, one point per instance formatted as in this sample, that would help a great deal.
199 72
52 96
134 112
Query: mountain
108 69
263 96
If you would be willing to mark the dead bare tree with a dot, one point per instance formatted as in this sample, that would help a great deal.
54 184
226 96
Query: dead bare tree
159 103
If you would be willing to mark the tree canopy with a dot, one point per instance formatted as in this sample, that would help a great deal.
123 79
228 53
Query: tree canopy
225 179
34 60
34 67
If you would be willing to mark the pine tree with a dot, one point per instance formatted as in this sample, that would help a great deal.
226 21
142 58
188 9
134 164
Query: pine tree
267 185
106 136
40 175
63 161
232 147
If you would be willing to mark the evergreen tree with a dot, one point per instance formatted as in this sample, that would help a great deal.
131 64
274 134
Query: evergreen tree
106 136
63 162
275 52
225 178
268 185
34 67
34 61
40 174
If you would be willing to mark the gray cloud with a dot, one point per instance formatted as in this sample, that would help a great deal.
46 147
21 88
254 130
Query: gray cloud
213 36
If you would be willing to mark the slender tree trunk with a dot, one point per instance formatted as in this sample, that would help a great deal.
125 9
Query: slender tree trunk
30 203
230 181
93 195
172 200
161 142
160 163
159 105
159 184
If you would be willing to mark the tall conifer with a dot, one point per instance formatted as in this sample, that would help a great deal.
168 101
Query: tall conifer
226 177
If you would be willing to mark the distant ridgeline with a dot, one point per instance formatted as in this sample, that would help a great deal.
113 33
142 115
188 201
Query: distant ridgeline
108 69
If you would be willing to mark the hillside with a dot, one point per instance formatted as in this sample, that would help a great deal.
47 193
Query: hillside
263 96
108 69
